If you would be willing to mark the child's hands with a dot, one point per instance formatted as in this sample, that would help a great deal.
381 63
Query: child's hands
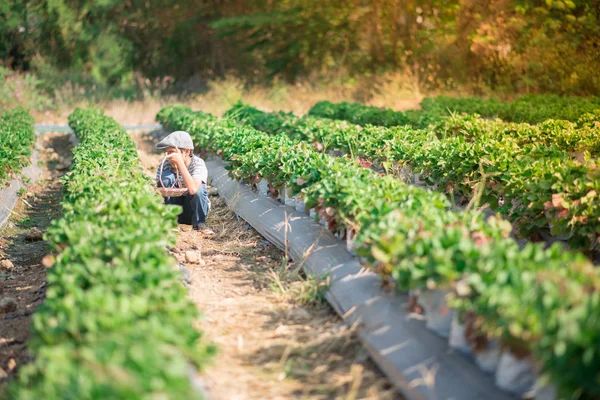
175 158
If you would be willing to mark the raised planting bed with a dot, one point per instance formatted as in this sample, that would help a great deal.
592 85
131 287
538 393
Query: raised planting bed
116 322
544 178
18 161
395 338
533 309
528 108
531 108
10 194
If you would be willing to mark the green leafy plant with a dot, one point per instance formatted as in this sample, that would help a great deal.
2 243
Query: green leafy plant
530 108
520 170
16 131
415 240
116 322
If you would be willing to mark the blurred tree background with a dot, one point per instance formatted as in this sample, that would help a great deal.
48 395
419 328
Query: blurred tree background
481 46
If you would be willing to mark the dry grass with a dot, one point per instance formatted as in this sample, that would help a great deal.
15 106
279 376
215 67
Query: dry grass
278 337
392 91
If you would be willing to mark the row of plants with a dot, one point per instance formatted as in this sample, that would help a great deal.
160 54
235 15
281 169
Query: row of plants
539 302
362 115
543 177
532 108
116 322
16 142
580 136
529 108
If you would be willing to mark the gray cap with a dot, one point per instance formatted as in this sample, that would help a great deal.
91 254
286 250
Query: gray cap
179 139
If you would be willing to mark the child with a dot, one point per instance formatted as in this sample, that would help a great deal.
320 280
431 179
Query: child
185 170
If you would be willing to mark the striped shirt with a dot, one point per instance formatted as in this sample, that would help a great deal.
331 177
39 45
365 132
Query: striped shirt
197 170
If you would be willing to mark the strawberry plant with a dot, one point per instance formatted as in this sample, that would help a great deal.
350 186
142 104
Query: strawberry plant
359 114
116 322
528 108
517 169
17 138
414 238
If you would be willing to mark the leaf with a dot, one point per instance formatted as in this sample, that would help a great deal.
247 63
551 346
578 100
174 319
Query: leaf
560 348
380 255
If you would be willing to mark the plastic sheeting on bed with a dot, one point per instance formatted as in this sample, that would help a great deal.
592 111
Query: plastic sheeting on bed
418 362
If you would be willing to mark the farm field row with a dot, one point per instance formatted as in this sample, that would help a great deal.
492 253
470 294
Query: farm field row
528 108
116 322
536 301
579 136
543 177
16 142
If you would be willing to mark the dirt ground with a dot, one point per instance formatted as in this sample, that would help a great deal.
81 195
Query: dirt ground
277 338
23 286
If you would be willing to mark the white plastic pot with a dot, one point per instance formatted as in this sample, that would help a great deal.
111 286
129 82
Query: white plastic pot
489 358
300 205
289 200
263 187
437 312
416 179
281 196
312 213
515 375
458 335
350 241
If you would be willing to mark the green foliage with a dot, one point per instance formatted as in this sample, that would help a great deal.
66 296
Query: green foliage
544 177
109 47
526 46
529 108
543 301
360 114
116 322
16 141
313 43
498 46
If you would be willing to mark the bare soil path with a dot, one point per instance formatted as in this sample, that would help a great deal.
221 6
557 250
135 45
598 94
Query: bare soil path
276 339
22 275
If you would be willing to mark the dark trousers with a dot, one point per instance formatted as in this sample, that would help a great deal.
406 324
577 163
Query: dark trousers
195 207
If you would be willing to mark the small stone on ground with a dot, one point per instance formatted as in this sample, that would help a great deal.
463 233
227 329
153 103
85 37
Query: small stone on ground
8 305
34 235
6 265
192 257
